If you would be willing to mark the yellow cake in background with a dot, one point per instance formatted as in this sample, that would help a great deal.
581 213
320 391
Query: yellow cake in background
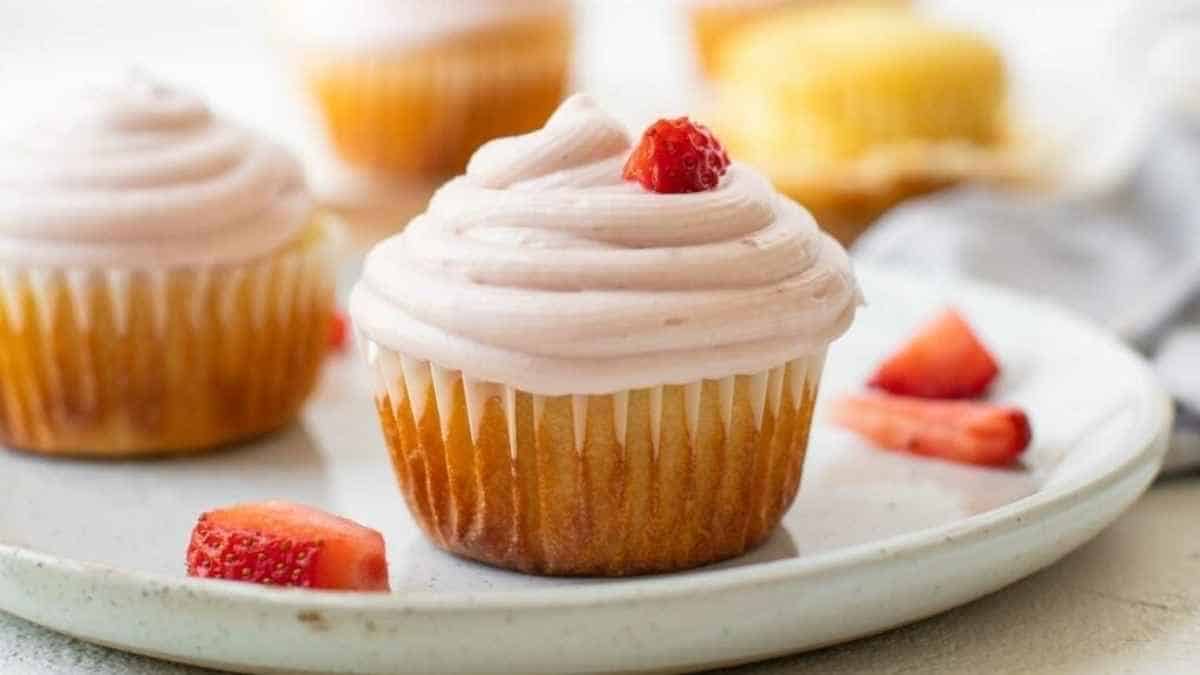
413 88
712 22
851 109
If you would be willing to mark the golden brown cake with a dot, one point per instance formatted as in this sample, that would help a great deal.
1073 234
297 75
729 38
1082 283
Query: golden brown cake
165 284
580 376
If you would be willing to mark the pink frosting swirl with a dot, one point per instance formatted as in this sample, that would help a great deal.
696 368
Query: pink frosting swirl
542 269
134 172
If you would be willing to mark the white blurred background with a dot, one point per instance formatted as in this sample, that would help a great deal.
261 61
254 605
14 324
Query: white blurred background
1074 63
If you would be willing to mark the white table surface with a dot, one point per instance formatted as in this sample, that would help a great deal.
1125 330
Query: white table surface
1128 602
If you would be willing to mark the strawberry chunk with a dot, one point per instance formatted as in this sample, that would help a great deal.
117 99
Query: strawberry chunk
283 544
338 331
943 360
960 431
677 156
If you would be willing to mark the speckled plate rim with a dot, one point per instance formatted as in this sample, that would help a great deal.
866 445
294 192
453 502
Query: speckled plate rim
1146 445
984 525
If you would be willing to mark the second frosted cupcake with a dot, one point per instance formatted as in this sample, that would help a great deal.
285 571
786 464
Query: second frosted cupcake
581 376
166 283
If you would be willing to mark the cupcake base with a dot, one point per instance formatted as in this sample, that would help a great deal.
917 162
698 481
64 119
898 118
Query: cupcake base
641 481
124 362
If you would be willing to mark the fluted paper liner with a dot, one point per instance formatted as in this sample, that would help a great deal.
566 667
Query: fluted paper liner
129 361
640 481
423 111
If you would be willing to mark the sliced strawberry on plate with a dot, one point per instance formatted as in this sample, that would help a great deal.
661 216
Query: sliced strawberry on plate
961 431
943 360
283 544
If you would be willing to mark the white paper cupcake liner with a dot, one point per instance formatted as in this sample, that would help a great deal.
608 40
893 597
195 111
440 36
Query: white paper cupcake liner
124 360
635 481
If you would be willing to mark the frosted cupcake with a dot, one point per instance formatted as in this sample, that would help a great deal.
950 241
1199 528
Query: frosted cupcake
414 87
852 109
581 376
165 284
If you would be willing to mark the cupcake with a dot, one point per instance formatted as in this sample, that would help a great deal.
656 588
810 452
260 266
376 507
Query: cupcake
165 283
852 109
413 87
578 376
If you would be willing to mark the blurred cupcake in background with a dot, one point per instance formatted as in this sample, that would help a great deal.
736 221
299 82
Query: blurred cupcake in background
165 282
851 109
413 87
712 22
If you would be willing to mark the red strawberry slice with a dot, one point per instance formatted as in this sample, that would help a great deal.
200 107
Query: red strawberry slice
338 331
960 431
944 360
282 544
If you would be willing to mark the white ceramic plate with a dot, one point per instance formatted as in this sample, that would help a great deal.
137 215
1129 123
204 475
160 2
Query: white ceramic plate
875 540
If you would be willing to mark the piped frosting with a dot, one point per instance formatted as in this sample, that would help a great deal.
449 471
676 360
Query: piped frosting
133 173
542 269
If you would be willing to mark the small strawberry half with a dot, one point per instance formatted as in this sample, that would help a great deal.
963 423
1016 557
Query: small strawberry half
677 156
943 360
960 431
283 544
338 331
